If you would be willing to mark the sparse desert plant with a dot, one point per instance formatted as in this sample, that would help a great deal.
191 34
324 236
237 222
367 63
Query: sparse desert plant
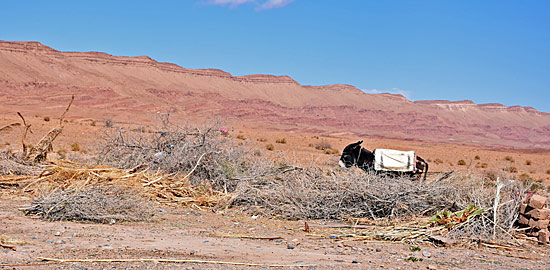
108 123
46 118
241 137
331 151
484 165
93 123
535 185
477 157
509 158
428 160
528 162
75 147
461 162
258 153
511 169
270 147
548 171
281 141
262 139
323 145
451 164
62 153
438 161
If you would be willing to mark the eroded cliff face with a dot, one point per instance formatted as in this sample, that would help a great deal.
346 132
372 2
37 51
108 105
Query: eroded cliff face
35 77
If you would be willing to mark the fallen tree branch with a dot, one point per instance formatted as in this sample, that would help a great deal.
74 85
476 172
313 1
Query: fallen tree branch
250 237
197 164
27 129
39 152
172 261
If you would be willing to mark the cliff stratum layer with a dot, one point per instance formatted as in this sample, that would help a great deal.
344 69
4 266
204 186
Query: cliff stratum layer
36 78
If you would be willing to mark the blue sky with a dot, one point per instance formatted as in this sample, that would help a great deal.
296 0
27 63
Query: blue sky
486 51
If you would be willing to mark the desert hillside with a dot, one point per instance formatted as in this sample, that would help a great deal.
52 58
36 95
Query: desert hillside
37 79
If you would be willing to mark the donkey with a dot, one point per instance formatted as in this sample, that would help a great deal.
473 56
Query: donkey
355 155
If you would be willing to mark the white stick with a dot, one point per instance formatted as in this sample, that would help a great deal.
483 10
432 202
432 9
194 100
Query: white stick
495 205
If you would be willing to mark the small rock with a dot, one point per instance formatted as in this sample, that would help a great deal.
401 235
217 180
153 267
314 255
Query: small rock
431 267
278 240
378 249
355 261
113 221
289 246
49 241
57 233
426 254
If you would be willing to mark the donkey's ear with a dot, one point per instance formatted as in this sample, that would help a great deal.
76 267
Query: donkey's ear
359 142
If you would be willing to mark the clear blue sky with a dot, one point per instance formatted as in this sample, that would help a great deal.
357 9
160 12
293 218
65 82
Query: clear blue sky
485 51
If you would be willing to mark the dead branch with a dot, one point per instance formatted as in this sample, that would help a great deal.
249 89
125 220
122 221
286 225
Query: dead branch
27 129
65 112
39 152
172 261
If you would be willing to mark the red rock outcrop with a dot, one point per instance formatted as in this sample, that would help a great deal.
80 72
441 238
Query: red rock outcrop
36 77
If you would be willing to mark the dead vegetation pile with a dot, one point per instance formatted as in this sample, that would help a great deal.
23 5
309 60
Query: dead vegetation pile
207 152
12 164
96 204
312 194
